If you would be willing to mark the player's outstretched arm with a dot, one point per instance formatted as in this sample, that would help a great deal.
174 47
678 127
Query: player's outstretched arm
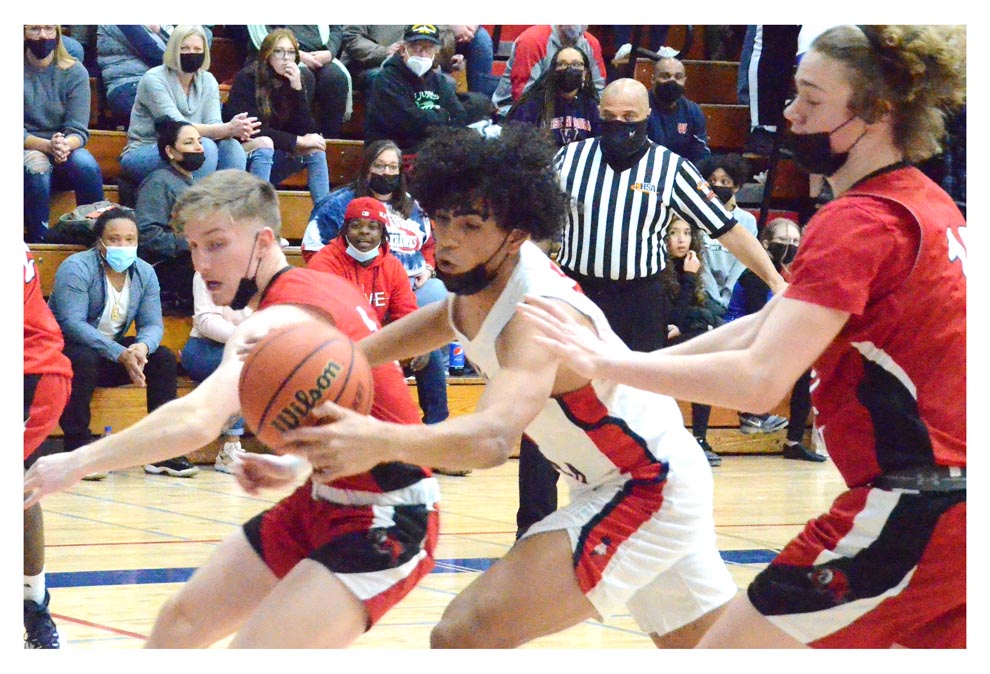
176 428
345 443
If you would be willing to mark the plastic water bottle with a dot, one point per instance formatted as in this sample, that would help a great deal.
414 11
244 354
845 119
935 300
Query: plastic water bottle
456 368
107 430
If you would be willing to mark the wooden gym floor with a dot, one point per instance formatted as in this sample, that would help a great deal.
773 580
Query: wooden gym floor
117 549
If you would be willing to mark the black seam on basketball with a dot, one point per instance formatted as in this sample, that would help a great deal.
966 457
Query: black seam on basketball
350 370
288 378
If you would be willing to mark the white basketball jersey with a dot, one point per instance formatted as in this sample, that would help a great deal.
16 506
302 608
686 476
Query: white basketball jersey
600 432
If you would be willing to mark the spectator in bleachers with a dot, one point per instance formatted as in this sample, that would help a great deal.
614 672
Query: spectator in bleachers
691 311
56 121
326 79
272 90
675 121
474 44
781 237
124 54
183 88
530 58
97 295
477 106
726 174
180 145
411 240
212 327
360 253
365 49
564 100
410 97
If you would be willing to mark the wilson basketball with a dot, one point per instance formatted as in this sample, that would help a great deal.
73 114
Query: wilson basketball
295 368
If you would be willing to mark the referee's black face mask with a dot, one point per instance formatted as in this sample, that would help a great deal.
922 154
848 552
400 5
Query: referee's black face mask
622 141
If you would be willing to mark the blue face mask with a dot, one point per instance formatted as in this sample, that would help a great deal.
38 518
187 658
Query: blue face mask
120 258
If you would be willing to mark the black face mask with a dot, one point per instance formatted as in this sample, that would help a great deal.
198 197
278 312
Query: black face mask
667 92
475 279
190 63
723 193
384 183
248 287
41 47
191 161
623 141
569 79
781 253
812 152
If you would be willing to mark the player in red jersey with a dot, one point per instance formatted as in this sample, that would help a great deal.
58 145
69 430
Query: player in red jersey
877 303
47 384
330 559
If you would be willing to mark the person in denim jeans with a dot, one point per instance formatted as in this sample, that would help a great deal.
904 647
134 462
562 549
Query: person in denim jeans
272 89
183 88
56 117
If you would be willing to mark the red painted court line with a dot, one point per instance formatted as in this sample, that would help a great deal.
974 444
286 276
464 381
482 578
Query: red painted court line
93 545
107 628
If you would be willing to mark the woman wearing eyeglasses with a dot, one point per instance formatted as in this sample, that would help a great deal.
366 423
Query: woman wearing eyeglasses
272 90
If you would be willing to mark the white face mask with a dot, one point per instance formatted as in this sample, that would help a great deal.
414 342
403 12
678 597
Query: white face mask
419 65
360 255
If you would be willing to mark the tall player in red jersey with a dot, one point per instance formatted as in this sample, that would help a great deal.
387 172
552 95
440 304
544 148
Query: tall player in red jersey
877 304
47 384
330 559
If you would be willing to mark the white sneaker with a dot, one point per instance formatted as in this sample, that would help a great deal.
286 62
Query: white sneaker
622 54
95 477
226 457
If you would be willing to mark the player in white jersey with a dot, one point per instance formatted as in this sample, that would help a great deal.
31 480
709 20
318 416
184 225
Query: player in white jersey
638 534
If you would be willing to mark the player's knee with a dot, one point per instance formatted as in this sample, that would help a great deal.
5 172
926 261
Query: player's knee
176 625
464 626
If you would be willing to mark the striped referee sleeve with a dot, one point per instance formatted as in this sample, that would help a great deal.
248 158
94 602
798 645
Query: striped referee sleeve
693 199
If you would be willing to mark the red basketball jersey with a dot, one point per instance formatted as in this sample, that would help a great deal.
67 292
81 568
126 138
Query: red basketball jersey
890 391
42 337
350 312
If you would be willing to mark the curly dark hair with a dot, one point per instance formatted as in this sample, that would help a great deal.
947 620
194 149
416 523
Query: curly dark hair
511 175
733 164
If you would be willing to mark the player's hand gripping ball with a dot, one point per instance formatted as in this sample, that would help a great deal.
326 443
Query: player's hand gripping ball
295 368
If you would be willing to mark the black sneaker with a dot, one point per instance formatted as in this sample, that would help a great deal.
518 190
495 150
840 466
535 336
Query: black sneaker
713 458
177 467
39 628
799 452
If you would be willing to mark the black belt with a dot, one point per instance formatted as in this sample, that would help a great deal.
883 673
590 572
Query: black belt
924 478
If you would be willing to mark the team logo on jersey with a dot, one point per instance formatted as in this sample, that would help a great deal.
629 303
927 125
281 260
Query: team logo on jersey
648 188
831 580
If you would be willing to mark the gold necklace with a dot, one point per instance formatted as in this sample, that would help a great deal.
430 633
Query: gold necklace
115 312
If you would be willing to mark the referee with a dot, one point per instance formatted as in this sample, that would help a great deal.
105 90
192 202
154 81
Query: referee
624 190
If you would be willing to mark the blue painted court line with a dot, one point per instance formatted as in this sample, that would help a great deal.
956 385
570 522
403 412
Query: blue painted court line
181 575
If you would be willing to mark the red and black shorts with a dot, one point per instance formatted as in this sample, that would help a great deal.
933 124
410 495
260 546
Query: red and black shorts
379 552
882 567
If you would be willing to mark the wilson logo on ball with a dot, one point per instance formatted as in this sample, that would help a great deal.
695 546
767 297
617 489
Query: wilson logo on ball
292 415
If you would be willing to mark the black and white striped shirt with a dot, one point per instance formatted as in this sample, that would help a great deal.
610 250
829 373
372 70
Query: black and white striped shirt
617 221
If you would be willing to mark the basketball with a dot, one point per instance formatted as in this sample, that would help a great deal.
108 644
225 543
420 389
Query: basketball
295 368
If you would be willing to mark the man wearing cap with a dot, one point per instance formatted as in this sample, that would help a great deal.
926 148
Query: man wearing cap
410 96
360 255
